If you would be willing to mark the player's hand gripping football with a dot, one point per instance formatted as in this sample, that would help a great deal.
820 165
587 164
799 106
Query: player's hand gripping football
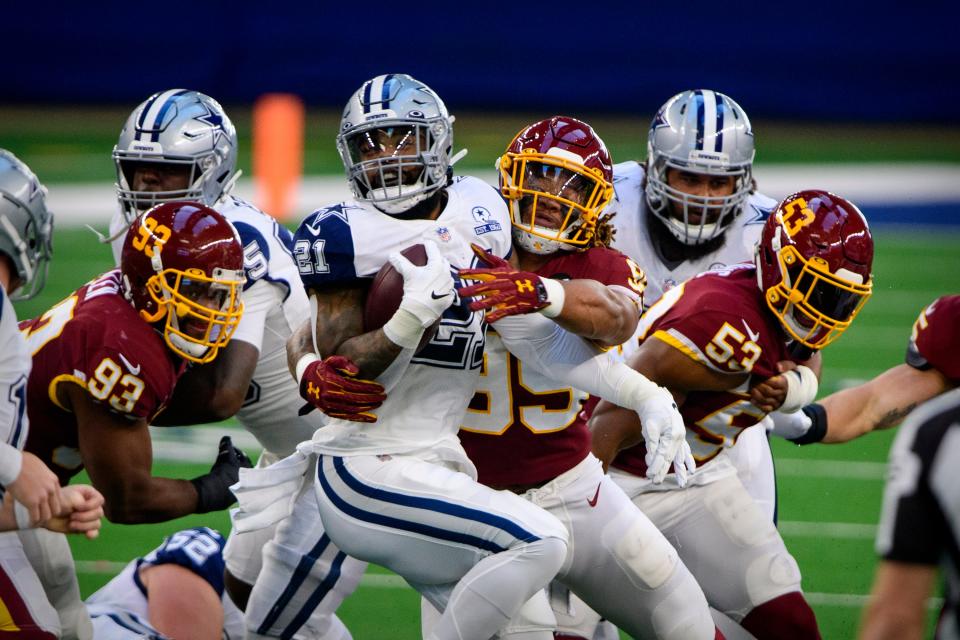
332 386
665 438
427 290
502 290
213 489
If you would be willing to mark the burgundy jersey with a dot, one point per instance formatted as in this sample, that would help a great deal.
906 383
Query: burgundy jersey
720 320
95 339
935 343
520 428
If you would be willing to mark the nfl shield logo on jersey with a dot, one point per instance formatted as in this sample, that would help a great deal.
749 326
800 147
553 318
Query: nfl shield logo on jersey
443 234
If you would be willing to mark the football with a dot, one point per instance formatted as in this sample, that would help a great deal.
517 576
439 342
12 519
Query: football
386 292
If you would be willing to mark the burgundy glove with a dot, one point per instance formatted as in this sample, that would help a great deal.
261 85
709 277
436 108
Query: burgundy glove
503 290
331 385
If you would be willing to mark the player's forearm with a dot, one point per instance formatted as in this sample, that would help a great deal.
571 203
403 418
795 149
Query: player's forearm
594 311
881 403
153 500
373 352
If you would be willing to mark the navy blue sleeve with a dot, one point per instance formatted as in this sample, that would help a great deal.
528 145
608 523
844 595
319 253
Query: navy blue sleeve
200 550
323 249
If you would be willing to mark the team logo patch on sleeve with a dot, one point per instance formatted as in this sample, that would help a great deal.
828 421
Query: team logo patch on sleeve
481 215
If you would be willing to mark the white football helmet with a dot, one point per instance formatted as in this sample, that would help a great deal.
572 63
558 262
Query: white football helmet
177 127
407 123
699 131
26 227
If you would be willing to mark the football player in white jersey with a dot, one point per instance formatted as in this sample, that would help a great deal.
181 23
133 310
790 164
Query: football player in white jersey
30 491
180 145
402 492
175 591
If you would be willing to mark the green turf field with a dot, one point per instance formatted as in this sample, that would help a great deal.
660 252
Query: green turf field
829 495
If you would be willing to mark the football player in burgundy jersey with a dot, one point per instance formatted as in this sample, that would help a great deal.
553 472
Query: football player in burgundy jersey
932 367
522 431
107 357
710 340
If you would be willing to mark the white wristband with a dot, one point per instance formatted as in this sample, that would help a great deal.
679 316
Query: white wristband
555 297
305 361
11 461
404 329
802 387
22 515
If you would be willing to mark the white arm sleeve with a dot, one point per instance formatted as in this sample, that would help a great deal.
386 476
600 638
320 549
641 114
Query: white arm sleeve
569 359
11 461
258 301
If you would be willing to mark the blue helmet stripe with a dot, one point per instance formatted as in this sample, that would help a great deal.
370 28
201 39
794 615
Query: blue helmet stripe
143 112
385 92
718 144
155 136
366 96
698 97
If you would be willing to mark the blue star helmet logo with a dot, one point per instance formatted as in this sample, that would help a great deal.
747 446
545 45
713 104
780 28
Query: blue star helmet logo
211 118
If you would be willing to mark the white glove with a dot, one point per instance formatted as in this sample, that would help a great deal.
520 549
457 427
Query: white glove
665 438
427 290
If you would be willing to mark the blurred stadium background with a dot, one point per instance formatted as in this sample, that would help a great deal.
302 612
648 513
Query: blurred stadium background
834 105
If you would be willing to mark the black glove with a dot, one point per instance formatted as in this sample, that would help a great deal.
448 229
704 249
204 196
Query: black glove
213 489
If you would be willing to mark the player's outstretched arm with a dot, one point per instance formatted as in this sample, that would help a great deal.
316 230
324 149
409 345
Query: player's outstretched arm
181 604
222 385
118 455
614 428
585 307
880 403
898 601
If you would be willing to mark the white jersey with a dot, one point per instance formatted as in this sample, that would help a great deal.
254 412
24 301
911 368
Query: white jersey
14 368
275 304
120 608
349 242
633 234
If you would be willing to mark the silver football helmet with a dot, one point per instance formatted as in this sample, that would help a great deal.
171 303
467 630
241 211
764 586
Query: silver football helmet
395 140
26 227
699 131
177 127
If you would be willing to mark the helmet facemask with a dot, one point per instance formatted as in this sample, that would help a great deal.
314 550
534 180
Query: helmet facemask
694 219
814 305
398 163
200 312
554 199
702 132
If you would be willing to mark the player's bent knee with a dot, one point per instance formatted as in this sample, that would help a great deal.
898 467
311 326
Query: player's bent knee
646 555
772 575
740 517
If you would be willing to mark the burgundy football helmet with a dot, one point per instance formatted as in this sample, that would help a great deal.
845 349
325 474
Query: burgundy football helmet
557 177
814 264
182 264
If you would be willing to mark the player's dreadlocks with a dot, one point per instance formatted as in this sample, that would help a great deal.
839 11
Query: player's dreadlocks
603 236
